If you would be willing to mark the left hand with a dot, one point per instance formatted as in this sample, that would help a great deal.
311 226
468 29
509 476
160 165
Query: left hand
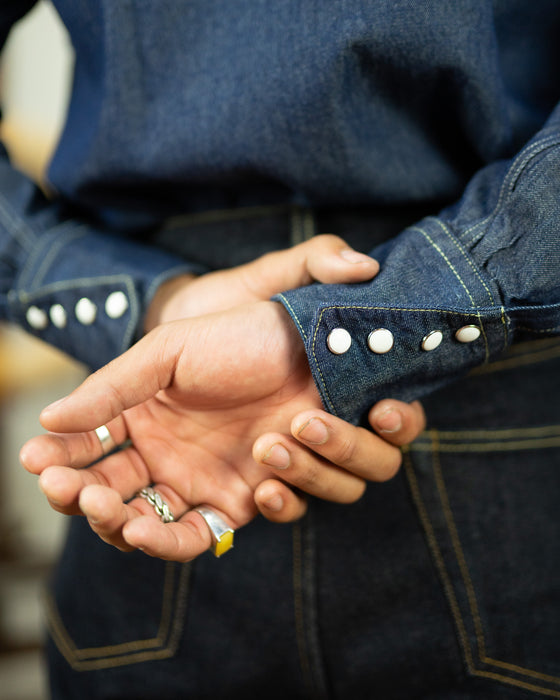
192 396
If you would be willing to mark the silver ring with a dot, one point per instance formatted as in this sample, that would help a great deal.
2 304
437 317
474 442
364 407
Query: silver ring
106 439
155 500
222 534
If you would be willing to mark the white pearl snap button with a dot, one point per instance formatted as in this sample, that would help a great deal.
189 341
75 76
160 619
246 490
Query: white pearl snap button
432 340
116 304
86 311
380 341
467 334
36 318
339 341
58 315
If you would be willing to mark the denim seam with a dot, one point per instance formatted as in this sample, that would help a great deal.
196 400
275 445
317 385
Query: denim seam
162 646
458 276
302 225
519 361
449 590
490 434
514 171
306 625
470 262
16 227
294 316
463 567
93 282
65 237
369 308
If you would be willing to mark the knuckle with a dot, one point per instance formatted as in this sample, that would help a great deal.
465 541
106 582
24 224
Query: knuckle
308 476
344 454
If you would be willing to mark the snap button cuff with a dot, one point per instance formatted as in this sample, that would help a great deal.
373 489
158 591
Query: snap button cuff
116 304
467 334
380 341
339 341
37 318
432 340
86 311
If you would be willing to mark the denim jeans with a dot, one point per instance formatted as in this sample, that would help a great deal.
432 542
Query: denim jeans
442 583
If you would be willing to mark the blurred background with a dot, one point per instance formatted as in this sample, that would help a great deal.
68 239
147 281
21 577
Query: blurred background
35 72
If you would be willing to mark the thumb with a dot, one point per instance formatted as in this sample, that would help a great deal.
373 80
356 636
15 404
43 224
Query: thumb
325 258
136 375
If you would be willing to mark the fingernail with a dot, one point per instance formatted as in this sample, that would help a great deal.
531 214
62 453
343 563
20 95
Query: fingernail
352 256
274 503
278 457
390 421
314 431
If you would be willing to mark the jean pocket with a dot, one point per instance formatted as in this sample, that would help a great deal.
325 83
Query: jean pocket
106 608
488 503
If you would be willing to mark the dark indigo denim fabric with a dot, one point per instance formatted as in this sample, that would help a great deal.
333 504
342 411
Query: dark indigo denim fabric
203 133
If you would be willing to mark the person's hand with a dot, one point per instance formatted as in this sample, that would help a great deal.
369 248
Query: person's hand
192 397
325 258
321 445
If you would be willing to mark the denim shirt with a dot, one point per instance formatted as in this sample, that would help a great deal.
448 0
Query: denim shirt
188 107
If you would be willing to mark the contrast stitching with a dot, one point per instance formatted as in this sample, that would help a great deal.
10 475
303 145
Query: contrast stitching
137 651
16 227
518 164
449 592
370 308
298 604
449 263
493 434
519 361
294 315
460 555
57 245
471 264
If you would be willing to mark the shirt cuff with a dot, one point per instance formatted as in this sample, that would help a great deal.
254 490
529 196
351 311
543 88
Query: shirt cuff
87 292
427 318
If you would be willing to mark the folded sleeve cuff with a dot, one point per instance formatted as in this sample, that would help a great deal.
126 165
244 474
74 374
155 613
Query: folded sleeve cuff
425 320
87 292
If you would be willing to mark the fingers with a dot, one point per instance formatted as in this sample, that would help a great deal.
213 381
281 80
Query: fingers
133 377
73 449
278 503
136 525
397 422
324 258
331 459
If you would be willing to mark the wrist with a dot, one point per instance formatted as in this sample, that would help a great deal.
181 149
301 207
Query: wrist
161 308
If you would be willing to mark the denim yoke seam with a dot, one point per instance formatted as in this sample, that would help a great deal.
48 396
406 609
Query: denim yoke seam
369 308
162 646
510 180
535 438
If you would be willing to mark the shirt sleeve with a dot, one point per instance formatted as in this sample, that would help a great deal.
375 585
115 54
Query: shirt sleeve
76 286
453 292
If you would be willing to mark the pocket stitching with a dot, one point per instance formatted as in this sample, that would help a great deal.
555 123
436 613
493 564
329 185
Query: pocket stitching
163 645
448 585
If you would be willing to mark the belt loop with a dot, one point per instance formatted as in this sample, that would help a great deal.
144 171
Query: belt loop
302 224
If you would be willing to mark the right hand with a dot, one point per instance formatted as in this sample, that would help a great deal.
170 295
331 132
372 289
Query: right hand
322 447
325 258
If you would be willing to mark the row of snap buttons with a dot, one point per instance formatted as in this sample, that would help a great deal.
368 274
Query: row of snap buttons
85 311
381 340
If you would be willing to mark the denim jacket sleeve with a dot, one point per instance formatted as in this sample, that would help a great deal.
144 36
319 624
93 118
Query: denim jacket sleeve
483 274
74 285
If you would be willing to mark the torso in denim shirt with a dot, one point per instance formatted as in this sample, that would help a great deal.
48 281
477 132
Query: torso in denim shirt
186 106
